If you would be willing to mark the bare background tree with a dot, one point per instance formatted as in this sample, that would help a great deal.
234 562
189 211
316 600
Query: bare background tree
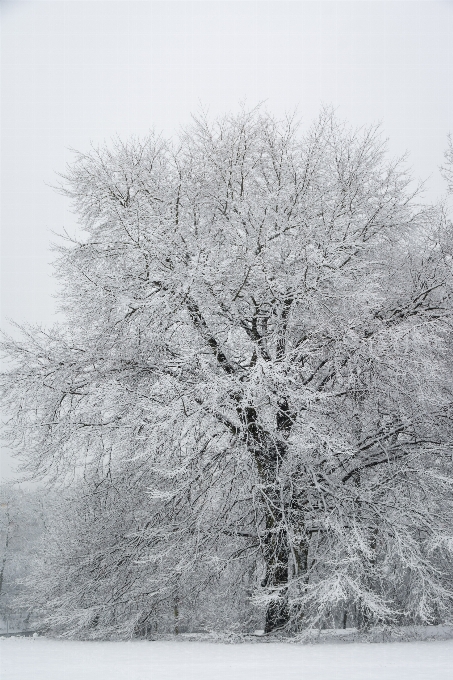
21 527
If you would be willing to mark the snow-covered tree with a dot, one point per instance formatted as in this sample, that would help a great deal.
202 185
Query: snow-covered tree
258 322
98 575
447 169
21 524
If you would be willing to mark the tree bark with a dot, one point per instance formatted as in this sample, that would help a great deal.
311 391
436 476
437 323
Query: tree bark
268 456
276 553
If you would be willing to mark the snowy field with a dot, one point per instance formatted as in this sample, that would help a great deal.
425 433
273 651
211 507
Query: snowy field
41 659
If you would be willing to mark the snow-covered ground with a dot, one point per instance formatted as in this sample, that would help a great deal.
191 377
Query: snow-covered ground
41 659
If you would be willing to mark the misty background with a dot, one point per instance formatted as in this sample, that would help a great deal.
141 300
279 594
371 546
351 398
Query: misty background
75 73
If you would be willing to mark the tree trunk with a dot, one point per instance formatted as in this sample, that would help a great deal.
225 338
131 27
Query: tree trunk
276 554
5 556
269 455
275 546
176 614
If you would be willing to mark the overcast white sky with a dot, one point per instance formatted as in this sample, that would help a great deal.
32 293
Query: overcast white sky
75 72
